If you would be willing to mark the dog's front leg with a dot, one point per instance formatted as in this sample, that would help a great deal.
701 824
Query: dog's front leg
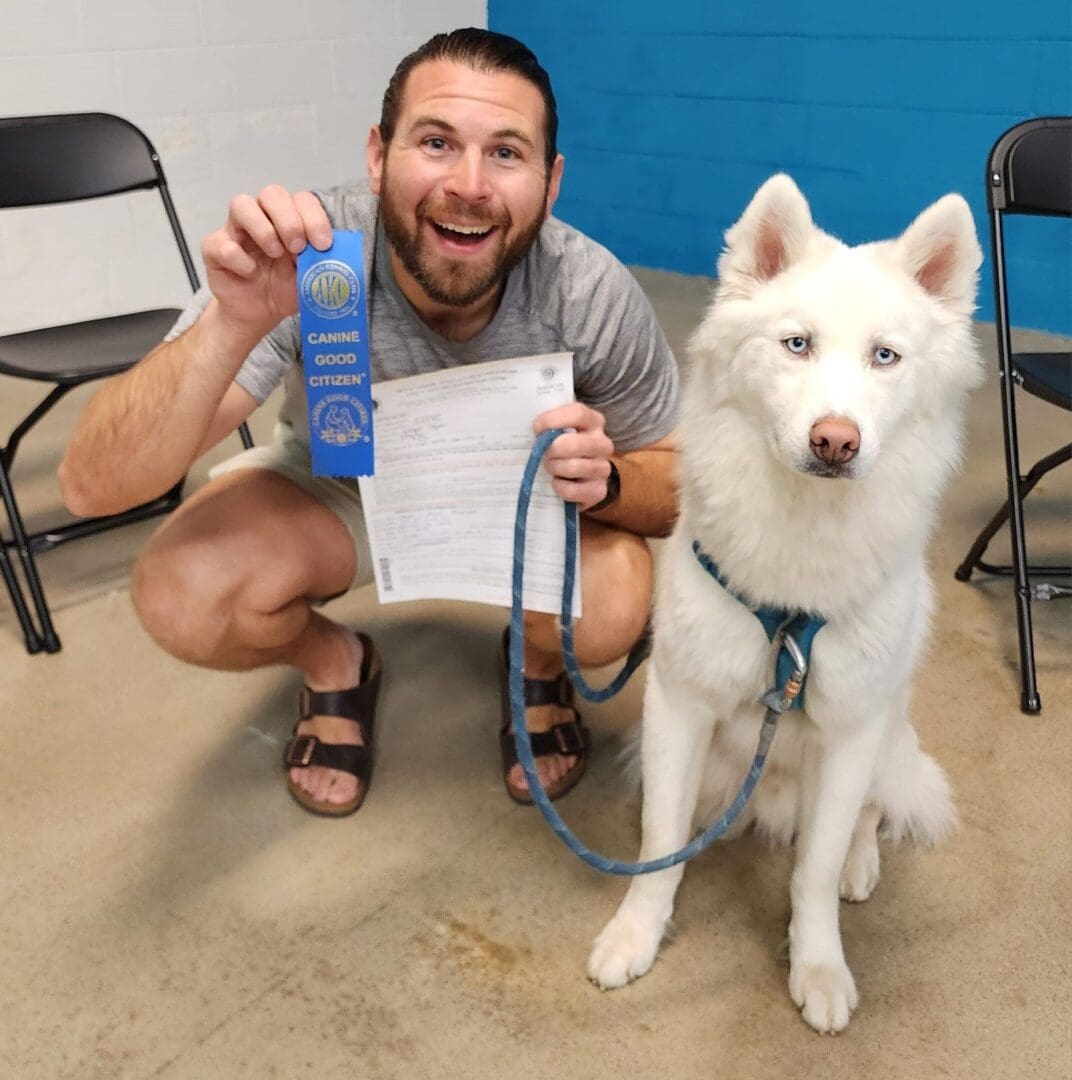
674 746
837 770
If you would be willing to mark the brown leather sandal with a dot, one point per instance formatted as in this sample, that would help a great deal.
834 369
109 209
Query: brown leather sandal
357 704
570 737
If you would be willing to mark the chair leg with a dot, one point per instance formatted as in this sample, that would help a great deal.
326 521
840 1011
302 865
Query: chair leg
30 635
982 541
1030 702
974 559
48 539
50 640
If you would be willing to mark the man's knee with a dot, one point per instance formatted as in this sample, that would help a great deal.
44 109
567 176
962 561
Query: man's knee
626 599
617 579
182 594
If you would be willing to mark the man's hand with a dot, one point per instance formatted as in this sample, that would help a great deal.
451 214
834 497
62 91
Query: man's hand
250 262
579 461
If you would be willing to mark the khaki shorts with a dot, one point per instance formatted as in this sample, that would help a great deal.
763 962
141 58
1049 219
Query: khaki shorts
288 456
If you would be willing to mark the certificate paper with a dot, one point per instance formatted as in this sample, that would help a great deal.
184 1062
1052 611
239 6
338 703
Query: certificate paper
451 448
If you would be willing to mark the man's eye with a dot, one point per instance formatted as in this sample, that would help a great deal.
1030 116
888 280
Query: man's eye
506 153
435 142
796 344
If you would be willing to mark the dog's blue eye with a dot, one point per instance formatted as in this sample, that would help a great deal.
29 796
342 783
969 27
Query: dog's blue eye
883 356
796 345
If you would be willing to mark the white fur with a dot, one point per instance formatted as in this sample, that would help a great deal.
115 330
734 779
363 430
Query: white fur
849 547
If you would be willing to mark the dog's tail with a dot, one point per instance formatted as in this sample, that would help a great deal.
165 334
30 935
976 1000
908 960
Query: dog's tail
912 790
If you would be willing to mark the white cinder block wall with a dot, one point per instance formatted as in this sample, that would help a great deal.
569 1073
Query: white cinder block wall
233 93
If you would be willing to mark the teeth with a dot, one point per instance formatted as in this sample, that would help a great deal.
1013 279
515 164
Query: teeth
465 230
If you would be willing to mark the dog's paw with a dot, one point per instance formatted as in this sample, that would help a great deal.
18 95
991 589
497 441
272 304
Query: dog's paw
860 873
624 950
825 994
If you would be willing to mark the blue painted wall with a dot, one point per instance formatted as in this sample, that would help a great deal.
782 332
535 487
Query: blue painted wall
672 114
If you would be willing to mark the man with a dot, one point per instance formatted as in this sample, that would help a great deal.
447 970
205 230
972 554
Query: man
464 264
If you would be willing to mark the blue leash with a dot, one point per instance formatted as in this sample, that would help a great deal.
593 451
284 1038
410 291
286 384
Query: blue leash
777 700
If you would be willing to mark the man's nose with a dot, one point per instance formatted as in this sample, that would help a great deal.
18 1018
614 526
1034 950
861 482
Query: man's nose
468 178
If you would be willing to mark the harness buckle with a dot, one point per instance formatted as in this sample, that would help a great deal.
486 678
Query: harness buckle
795 683
794 650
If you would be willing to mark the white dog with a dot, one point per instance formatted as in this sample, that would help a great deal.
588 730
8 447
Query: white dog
821 421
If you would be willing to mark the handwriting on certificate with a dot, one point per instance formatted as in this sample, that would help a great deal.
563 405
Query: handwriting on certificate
451 448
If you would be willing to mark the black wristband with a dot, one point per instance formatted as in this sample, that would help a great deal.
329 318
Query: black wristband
614 490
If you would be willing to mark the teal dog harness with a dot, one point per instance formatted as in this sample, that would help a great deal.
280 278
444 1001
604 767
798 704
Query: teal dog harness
798 626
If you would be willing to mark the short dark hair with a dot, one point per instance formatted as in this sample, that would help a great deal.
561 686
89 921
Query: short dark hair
482 50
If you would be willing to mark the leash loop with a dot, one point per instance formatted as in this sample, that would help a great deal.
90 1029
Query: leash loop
773 699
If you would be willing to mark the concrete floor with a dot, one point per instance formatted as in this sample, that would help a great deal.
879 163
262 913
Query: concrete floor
169 912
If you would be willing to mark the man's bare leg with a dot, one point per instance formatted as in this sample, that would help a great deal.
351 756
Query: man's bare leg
227 583
616 590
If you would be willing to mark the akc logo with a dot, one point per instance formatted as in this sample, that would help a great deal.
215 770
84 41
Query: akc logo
340 420
330 289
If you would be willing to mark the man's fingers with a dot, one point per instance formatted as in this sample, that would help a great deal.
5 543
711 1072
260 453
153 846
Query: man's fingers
246 219
277 222
574 415
314 219
583 492
586 444
580 469
278 206
221 250
577 460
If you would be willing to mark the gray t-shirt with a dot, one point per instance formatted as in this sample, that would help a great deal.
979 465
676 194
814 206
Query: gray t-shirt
569 294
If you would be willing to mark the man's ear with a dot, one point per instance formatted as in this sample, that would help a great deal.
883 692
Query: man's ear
941 251
554 183
772 234
375 151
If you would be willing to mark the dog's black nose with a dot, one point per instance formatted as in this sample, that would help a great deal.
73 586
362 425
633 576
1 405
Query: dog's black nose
835 440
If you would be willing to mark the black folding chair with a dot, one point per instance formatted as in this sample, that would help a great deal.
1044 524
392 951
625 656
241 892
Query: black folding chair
1029 172
56 159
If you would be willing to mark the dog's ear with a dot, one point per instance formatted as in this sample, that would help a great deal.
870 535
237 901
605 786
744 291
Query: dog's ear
772 234
941 251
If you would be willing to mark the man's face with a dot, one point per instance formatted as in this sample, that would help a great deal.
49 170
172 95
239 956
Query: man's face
463 184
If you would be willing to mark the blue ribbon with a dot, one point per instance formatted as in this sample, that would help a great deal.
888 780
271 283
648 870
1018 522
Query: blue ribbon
335 356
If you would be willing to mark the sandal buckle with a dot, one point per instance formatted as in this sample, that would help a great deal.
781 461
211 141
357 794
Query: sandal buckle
570 738
299 751
305 703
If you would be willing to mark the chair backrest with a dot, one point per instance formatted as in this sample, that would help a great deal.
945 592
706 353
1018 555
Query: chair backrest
71 156
62 158
1030 168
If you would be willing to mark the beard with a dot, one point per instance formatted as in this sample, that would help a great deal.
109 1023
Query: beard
456 282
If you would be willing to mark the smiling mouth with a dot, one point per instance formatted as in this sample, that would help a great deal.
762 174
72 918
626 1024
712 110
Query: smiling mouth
463 235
